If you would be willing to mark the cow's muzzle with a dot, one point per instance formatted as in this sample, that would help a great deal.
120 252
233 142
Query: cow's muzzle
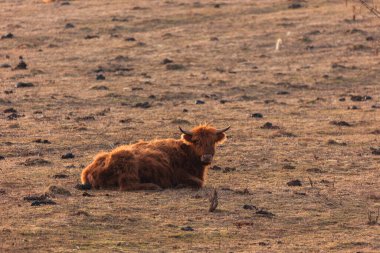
206 159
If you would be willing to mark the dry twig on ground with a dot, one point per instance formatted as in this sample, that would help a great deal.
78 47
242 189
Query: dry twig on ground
370 8
213 201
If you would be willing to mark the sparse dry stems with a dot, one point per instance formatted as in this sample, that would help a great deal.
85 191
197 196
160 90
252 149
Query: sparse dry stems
311 182
213 201
372 9
373 220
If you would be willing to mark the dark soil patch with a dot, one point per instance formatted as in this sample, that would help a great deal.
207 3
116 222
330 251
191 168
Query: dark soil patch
228 169
100 77
249 207
143 105
7 36
43 202
38 200
224 170
21 65
42 141
294 183
340 123
360 98
265 213
68 156
89 37
257 115
187 228
14 116
125 121
269 125
295 6
288 167
166 61
175 66
80 213
10 110
24 85
375 151
216 168
360 47
69 26
334 142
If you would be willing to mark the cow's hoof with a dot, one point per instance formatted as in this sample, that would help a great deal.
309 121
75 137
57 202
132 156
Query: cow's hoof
83 187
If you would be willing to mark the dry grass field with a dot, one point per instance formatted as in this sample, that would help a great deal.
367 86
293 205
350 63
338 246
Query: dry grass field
181 62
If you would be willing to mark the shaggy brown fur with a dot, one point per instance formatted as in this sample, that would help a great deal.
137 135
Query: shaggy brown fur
156 164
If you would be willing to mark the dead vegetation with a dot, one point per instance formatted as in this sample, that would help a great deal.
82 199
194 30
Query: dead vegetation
373 217
213 201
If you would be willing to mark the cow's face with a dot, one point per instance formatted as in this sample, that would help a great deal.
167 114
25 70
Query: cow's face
203 139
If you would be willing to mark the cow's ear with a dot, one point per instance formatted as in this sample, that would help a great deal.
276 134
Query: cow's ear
220 138
187 137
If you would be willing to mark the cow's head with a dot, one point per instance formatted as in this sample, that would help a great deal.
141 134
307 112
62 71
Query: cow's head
203 140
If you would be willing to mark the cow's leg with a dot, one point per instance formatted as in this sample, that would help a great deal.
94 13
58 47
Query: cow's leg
128 183
192 181
139 186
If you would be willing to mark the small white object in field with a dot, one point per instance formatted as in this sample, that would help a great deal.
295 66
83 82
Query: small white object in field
278 44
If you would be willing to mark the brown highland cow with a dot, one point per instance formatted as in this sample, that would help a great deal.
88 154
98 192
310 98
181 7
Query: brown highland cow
157 164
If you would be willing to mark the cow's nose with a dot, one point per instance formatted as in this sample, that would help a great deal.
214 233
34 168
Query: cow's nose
206 158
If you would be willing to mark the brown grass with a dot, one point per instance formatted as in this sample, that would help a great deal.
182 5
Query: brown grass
226 58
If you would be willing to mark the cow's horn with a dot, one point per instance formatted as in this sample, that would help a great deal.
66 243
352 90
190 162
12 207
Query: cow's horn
185 132
218 131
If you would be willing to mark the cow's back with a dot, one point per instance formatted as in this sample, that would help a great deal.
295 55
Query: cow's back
156 160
